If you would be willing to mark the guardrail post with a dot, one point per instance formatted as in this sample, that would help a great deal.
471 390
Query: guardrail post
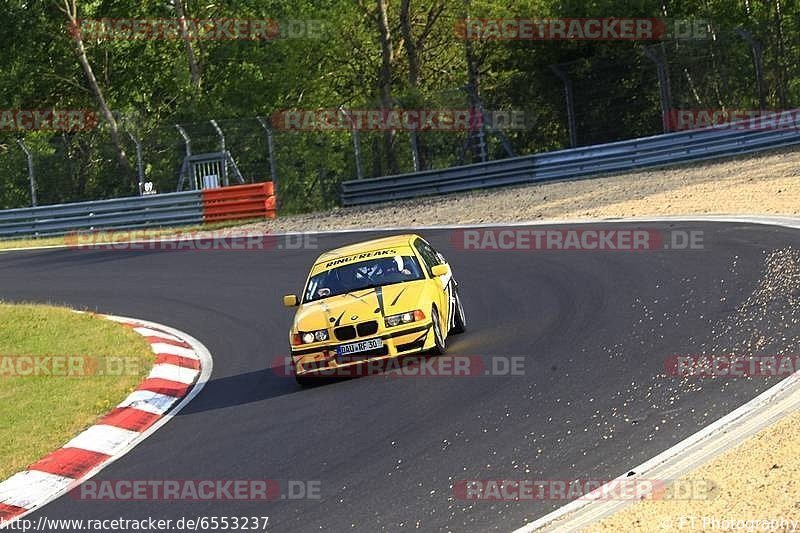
31 175
663 86
273 172
568 95
755 48
222 149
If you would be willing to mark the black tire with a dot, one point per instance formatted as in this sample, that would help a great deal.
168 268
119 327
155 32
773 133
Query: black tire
439 346
460 319
313 380
305 381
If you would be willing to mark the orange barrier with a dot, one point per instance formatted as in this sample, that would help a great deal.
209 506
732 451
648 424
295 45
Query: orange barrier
239 202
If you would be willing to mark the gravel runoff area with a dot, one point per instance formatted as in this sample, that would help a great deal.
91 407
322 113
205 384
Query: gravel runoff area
758 479
757 488
765 184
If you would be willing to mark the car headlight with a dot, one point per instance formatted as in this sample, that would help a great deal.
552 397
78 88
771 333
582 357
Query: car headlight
404 318
314 336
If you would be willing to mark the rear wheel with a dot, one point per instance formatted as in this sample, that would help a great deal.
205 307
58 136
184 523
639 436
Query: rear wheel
439 346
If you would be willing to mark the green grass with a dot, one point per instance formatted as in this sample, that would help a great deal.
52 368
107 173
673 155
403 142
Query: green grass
38 414
108 236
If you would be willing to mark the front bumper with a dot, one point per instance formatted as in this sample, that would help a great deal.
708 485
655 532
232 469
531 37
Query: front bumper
322 360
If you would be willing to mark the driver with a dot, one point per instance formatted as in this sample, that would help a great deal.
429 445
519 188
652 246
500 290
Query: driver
366 272
394 266
388 266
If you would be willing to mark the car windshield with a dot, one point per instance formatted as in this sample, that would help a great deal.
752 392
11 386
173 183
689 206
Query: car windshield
362 275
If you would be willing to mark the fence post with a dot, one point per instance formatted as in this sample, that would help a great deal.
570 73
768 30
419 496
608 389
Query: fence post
412 137
487 121
414 149
755 48
356 142
31 175
476 137
187 142
139 166
568 95
663 86
222 149
273 172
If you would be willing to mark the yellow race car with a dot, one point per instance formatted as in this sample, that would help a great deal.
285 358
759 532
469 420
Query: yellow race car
373 301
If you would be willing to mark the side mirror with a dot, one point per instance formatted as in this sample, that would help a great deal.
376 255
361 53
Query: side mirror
290 300
440 270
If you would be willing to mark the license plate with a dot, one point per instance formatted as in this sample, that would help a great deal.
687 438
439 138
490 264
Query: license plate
344 350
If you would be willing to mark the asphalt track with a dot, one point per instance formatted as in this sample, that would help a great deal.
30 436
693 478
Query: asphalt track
594 329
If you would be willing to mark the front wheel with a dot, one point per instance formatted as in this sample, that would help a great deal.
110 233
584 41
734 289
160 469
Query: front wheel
459 318
304 381
439 346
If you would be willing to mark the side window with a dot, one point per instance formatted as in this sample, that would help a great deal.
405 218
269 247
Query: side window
428 254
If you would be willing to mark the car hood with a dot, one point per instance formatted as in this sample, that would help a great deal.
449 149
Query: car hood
358 306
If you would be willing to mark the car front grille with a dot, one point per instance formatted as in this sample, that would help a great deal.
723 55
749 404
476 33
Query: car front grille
367 328
345 333
364 329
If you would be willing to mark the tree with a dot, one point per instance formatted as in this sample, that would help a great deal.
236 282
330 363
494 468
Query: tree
70 9
385 89
413 47
194 67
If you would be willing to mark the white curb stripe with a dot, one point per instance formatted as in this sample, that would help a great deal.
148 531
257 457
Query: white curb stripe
149 401
174 373
160 347
150 332
103 439
120 319
30 488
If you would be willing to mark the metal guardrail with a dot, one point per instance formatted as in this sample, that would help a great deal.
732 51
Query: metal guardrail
659 150
158 210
